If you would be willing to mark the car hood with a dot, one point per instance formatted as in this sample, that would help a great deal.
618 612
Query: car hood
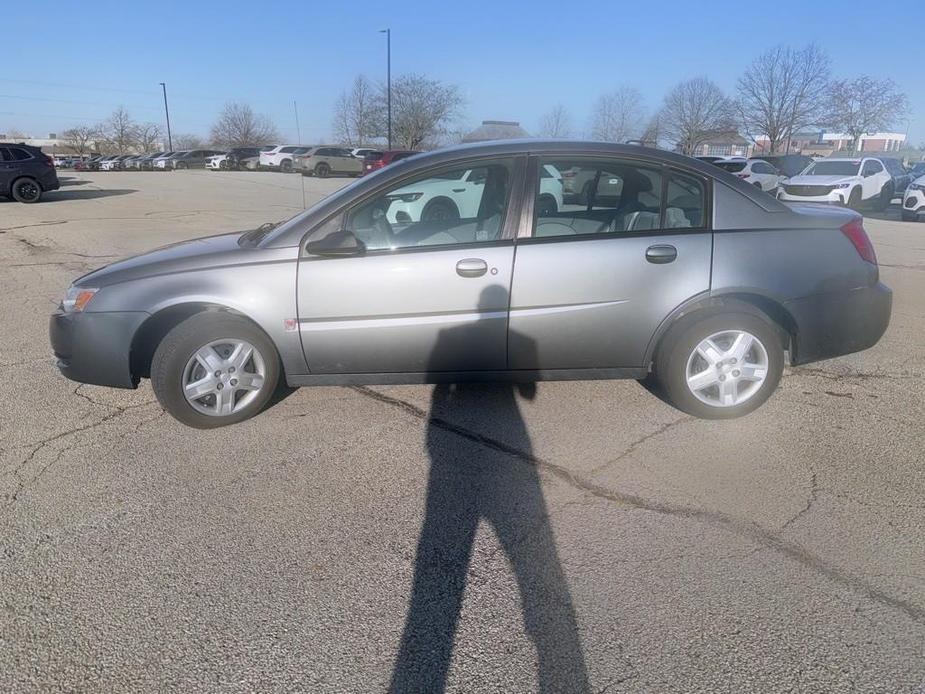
820 180
197 254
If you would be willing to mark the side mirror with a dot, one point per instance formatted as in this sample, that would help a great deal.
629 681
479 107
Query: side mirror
338 244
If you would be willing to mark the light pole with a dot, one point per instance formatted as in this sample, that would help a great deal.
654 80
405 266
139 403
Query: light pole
388 80
167 113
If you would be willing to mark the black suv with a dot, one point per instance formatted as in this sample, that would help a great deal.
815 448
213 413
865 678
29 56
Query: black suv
26 172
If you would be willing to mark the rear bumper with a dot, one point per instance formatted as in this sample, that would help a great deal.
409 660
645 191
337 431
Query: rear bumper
95 347
830 325
50 181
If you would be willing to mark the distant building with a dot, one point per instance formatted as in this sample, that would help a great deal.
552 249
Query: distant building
725 145
819 142
496 130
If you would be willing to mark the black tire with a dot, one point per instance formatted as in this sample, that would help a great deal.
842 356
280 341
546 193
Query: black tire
174 352
285 165
546 206
908 216
757 184
322 170
26 190
885 197
854 199
440 210
180 165
677 348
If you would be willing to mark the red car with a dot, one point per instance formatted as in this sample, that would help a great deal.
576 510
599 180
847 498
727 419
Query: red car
377 160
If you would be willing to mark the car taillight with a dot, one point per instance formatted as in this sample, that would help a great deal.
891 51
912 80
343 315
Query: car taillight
743 175
51 162
854 230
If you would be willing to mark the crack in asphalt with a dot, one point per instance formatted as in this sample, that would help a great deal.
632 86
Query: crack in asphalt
849 374
810 501
639 442
747 530
115 411
29 226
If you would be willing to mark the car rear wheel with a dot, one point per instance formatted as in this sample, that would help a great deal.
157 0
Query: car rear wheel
214 369
440 211
26 190
322 170
546 206
721 367
285 165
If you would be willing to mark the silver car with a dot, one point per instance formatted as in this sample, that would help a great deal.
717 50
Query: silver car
687 276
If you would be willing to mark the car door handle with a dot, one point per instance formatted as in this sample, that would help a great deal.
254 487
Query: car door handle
459 190
661 254
471 267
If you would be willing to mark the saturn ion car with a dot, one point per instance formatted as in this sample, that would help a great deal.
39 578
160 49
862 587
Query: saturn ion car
688 277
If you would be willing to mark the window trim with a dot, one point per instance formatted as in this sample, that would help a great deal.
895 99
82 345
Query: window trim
532 189
509 228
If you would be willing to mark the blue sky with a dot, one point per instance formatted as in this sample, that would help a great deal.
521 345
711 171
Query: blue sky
511 60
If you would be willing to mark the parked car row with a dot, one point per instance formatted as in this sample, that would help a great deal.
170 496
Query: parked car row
848 182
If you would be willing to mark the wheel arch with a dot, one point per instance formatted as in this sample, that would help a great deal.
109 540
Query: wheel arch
440 199
708 304
153 330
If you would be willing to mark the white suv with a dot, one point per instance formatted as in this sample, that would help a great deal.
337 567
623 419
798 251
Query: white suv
280 157
914 201
849 182
755 171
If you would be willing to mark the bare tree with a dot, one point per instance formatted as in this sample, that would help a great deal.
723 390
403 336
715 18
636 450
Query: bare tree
693 112
16 134
188 141
556 122
239 126
863 105
650 136
422 110
120 131
148 137
782 91
618 115
82 138
359 114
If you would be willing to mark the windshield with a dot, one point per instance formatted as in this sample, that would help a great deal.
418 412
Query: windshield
730 166
833 168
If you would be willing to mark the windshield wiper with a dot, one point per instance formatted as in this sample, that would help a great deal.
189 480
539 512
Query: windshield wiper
255 236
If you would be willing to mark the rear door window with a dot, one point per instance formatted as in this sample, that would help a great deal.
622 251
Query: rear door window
18 154
581 196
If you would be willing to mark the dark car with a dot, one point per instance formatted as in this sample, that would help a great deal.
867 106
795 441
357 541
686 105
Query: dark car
689 277
194 159
239 154
26 172
901 177
788 164
378 160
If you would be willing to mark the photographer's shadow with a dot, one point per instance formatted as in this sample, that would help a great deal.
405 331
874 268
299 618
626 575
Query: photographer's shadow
469 482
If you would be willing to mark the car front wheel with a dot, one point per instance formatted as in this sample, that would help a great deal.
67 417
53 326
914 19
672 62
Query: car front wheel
26 190
721 367
214 369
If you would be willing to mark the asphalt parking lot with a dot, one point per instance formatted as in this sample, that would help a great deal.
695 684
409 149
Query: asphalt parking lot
618 544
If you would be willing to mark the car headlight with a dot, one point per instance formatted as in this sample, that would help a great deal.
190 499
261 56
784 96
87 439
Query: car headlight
77 298
404 197
842 185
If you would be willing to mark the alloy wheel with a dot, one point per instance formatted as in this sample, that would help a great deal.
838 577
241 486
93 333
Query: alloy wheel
727 368
223 377
28 190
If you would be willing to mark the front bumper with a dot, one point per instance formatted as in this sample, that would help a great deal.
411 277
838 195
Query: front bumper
836 197
914 201
836 323
95 347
